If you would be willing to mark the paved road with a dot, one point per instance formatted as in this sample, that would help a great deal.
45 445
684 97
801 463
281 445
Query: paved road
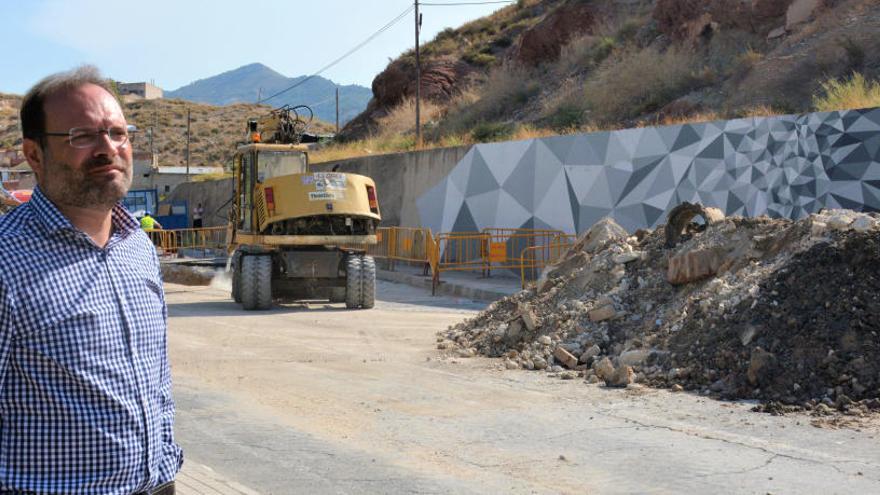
317 399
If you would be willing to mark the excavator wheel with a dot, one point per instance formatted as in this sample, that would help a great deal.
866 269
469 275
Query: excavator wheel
236 285
368 282
353 267
256 281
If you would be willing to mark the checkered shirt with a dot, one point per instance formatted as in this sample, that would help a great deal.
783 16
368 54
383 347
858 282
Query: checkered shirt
85 387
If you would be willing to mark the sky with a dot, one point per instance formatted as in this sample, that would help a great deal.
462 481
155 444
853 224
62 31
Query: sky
175 42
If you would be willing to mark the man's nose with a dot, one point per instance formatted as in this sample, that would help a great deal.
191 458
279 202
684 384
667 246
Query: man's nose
105 146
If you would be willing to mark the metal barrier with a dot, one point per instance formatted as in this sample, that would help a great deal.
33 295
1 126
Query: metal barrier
169 242
484 251
533 259
400 244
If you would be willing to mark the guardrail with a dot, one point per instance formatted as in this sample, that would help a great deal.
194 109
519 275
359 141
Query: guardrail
526 250
490 249
171 241
533 259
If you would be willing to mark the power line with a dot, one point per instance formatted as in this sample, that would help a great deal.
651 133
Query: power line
344 56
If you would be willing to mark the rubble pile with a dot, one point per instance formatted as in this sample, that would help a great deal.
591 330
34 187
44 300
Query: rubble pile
787 312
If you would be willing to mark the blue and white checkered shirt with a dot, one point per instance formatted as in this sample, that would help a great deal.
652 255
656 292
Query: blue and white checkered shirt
85 387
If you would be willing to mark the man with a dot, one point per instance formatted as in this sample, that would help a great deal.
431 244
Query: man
85 386
197 216
149 223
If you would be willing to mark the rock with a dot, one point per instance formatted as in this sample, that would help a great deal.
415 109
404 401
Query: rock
539 363
514 332
863 223
466 353
621 377
800 11
629 257
777 33
759 364
543 42
565 357
602 232
529 319
604 367
694 265
635 357
545 340
568 375
839 219
676 388
511 365
590 353
602 313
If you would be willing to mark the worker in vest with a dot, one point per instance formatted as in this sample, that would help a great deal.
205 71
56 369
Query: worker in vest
149 223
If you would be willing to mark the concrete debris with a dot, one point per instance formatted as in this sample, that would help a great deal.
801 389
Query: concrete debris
566 358
785 312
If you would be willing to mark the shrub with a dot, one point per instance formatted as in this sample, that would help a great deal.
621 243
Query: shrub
854 92
505 87
479 59
491 131
627 86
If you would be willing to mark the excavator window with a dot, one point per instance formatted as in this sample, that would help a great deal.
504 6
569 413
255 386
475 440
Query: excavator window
278 163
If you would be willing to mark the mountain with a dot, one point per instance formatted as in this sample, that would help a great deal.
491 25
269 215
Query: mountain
244 84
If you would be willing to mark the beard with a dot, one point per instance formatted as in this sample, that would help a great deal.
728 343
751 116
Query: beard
66 185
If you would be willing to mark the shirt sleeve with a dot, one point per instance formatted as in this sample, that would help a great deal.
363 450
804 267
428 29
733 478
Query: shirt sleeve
7 310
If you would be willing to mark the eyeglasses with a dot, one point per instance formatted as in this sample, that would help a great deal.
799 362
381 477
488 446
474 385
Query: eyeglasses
88 137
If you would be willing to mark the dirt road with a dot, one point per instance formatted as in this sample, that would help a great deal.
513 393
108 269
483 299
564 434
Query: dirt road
317 399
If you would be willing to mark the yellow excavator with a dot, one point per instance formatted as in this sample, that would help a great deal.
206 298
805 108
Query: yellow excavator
294 234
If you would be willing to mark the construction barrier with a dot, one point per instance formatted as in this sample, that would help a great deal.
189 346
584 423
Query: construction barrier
490 249
170 242
533 259
399 244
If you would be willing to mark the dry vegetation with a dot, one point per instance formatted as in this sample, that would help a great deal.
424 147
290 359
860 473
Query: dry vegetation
215 130
625 73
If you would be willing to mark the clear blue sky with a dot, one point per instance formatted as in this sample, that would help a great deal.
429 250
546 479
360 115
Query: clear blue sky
177 42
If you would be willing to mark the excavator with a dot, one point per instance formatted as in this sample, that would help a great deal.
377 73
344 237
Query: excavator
294 234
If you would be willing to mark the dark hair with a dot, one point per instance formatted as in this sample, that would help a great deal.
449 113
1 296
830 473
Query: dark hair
33 115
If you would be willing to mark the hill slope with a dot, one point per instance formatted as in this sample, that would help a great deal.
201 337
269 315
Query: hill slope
575 65
215 129
245 84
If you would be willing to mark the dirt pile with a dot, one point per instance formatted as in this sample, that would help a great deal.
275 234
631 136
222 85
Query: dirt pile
742 308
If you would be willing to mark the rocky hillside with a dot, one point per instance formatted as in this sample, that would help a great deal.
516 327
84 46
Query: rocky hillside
583 64
215 130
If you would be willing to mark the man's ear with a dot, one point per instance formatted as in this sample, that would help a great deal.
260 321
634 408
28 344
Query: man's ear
33 152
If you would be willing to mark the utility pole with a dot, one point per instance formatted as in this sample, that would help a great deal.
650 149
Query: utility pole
187 142
418 79
337 110
259 95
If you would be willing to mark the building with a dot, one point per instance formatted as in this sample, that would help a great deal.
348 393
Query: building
144 90
166 179
144 167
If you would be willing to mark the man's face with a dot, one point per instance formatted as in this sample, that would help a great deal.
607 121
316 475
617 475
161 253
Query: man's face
95 177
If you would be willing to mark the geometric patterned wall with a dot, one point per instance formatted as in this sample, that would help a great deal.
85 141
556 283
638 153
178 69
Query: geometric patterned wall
784 166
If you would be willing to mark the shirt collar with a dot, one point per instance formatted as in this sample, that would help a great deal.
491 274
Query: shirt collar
53 220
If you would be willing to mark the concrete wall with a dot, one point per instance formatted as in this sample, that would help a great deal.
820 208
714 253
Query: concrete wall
787 166
215 196
401 178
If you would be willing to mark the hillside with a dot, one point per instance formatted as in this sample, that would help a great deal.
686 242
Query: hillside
245 84
549 66
215 130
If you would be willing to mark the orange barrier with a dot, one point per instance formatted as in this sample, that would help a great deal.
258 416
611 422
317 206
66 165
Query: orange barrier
534 259
171 241
486 250
400 244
